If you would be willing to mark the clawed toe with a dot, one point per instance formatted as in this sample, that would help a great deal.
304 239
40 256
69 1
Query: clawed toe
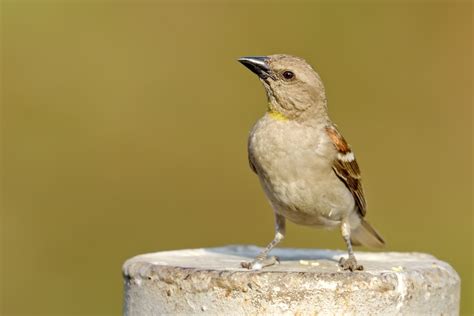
259 263
350 264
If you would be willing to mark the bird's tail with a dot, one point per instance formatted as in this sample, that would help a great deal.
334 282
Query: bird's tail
366 235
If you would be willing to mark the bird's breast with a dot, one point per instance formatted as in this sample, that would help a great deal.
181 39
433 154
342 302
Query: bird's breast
289 148
294 163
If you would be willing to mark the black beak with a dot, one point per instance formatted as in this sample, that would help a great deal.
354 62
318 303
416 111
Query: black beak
258 65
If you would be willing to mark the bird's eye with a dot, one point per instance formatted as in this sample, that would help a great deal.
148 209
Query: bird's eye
288 75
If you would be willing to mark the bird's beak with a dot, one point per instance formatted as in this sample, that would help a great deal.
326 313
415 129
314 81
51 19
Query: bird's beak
258 65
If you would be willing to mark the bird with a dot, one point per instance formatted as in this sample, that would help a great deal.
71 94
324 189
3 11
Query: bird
306 168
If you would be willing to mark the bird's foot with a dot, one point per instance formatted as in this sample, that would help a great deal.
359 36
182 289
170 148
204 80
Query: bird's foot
350 264
260 263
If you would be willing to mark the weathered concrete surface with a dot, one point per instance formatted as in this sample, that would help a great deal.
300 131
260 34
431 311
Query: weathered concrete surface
210 281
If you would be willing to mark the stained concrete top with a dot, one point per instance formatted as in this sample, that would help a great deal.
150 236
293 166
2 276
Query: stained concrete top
306 280
295 260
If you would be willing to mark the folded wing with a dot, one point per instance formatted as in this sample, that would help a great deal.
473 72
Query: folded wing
346 168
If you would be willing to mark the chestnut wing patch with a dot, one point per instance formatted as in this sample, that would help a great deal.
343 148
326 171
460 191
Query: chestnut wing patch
346 168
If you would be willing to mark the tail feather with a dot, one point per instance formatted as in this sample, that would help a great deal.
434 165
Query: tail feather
366 235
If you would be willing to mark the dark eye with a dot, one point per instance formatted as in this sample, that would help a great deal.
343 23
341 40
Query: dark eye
288 75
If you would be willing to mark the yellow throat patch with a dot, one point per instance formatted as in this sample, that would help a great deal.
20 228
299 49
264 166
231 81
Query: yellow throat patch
277 115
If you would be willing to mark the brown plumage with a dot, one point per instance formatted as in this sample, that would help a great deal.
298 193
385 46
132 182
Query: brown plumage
348 170
306 168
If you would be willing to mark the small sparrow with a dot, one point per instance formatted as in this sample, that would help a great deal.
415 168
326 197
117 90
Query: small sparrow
306 168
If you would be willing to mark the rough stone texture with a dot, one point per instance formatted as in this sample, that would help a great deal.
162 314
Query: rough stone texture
210 281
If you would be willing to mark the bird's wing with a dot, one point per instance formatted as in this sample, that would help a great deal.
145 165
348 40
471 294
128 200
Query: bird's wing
249 155
346 168
252 166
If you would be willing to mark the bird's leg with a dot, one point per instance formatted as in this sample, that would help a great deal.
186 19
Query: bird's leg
350 263
262 260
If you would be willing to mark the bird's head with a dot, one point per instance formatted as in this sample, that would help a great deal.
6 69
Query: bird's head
294 89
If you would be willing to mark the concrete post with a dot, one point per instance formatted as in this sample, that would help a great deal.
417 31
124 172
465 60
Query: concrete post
306 282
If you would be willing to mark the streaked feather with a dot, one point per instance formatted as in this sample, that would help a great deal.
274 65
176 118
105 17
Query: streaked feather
346 169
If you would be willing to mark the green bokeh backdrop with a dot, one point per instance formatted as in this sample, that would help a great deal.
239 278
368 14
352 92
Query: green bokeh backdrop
124 128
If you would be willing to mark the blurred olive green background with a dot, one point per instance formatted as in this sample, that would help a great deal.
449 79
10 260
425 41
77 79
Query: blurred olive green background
124 128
